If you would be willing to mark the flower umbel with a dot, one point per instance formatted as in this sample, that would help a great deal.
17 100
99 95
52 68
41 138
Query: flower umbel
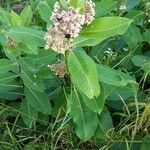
59 69
56 40
89 12
67 25
68 21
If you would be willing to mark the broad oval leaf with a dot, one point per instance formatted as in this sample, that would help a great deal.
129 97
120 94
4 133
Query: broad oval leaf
28 113
104 124
106 27
104 7
83 73
131 4
26 15
5 18
27 36
95 104
29 80
13 85
7 77
10 89
86 41
6 65
146 36
40 101
113 77
45 11
15 19
133 37
115 95
84 118
77 3
64 4
12 94
140 60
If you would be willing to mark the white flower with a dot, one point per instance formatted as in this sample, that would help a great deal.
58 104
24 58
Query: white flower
67 25
56 40
68 21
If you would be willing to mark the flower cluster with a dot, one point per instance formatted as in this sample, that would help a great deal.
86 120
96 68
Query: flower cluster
56 40
67 25
59 69
68 21
89 12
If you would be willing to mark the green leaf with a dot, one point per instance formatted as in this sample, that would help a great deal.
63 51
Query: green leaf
77 3
6 65
146 36
27 64
83 73
133 36
131 4
63 4
27 36
5 18
113 77
40 101
14 51
51 3
95 104
29 74
140 60
146 68
26 49
85 119
13 94
9 86
86 41
43 58
115 95
30 81
26 16
106 27
104 124
15 19
104 7
7 77
28 113
2 39
143 62
137 16
146 143
45 11
43 119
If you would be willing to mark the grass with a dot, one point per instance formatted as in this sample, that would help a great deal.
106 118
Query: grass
58 133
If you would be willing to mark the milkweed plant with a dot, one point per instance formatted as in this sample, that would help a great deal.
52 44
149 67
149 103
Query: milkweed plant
56 65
